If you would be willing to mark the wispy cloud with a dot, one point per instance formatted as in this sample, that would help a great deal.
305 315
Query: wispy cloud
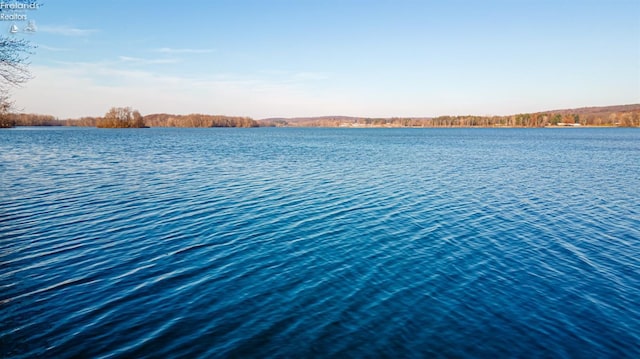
168 50
51 48
140 61
310 76
294 76
66 30
89 88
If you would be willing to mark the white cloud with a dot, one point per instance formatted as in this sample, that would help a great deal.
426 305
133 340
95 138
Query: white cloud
295 77
74 90
168 50
309 76
66 30
140 61
53 49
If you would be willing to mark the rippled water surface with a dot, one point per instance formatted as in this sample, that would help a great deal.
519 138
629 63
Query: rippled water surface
319 243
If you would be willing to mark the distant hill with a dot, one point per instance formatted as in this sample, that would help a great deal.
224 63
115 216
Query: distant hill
601 109
619 115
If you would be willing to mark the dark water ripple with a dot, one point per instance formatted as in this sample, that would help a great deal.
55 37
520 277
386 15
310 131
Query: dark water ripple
319 243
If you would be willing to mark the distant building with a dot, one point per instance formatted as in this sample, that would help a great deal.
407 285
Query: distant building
568 124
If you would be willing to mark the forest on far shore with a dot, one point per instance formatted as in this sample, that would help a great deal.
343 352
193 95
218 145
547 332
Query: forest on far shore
127 118
610 116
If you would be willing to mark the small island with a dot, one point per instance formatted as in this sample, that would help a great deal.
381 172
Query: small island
121 117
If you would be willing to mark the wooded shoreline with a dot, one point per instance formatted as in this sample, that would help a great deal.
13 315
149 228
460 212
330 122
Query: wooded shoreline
610 116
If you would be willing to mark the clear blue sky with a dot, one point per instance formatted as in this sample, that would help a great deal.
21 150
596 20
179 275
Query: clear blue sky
332 57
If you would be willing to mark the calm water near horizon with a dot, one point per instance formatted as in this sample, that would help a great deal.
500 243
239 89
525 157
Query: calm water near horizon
303 242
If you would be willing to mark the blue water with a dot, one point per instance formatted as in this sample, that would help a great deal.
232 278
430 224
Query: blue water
319 243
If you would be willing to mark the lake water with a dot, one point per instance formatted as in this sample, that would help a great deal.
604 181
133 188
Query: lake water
294 243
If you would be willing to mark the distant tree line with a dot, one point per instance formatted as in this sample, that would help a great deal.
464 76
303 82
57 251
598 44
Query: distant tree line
86 121
619 119
126 117
623 116
198 120
29 119
622 119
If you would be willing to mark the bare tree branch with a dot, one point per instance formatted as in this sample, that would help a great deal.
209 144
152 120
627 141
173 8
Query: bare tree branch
14 54
14 71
